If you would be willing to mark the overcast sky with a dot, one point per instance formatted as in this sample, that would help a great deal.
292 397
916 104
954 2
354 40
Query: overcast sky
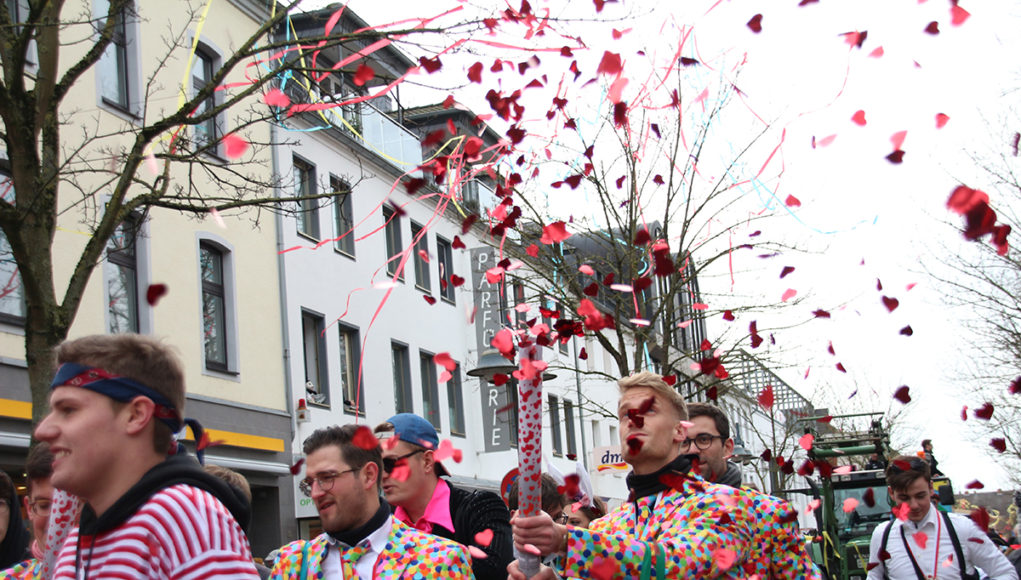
868 220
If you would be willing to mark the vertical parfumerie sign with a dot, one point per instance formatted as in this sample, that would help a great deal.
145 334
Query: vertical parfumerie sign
495 414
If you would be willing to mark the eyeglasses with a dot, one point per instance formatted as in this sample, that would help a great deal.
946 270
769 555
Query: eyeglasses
325 481
390 463
703 440
561 518
40 507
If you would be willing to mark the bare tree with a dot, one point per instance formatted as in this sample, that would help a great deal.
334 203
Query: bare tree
65 158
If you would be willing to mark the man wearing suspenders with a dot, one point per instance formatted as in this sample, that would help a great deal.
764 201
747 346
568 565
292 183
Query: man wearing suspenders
923 542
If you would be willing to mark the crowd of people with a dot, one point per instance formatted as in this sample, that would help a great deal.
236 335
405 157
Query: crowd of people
149 510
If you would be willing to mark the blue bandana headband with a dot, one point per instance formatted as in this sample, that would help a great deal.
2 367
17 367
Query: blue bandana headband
124 389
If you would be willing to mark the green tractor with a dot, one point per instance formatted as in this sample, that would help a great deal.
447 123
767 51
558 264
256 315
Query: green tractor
840 542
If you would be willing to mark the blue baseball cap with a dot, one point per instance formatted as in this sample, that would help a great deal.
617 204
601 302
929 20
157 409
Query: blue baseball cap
417 431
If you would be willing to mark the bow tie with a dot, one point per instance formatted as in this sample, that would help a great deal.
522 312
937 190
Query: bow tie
350 556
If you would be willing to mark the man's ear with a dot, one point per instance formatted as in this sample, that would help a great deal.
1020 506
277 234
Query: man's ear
139 413
680 432
728 447
370 475
429 461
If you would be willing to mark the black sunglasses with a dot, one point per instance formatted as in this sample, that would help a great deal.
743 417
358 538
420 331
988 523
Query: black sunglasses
390 463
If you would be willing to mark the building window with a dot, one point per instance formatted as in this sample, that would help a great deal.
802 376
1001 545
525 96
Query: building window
520 316
354 395
308 209
455 402
572 448
560 340
430 389
402 378
206 133
421 239
12 295
343 217
317 387
445 259
115 66
554 423
214 306
393 242
352 113
470 194
512 410
121 274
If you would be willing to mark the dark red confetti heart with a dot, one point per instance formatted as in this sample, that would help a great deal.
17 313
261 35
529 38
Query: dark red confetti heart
902 395
755 24
154 292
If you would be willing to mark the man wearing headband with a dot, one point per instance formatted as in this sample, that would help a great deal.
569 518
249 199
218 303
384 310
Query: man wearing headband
115 405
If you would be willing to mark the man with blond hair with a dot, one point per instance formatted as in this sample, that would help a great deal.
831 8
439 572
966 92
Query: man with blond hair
675 524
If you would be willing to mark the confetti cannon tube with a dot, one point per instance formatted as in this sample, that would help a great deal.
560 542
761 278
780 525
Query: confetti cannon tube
63 516
529 451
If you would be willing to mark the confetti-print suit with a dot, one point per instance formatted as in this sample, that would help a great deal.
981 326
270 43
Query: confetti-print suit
27 570
409 553
705 530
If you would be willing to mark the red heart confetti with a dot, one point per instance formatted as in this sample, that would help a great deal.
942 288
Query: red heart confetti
154 292
859 118
443 359
902 395
985 412
363 75
755 24
364 438
484 538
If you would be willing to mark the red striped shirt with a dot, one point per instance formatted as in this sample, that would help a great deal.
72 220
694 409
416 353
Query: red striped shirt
182 532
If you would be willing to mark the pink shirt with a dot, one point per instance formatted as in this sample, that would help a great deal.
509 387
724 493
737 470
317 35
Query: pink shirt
436 512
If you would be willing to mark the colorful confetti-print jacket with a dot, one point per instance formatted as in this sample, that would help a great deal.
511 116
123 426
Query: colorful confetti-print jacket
409 553
705 530
27 570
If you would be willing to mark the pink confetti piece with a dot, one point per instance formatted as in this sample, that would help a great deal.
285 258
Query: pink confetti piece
849 504
150 163
788 294
859 118
806 441
898 139
276 98
444 360
217 218
234 146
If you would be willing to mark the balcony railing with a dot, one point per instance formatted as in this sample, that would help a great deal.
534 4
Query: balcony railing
389 139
